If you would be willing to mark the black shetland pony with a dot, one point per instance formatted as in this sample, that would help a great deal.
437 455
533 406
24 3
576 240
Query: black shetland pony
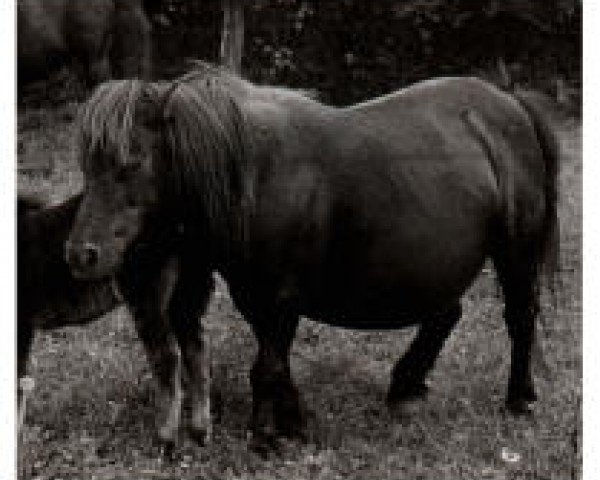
378 215
100 39
48 297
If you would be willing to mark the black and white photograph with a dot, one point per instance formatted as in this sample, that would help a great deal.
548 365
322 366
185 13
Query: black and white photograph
298 239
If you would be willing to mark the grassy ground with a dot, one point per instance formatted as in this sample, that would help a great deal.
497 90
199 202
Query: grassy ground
91 416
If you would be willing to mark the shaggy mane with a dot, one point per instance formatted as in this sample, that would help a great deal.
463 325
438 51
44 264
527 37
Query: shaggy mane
204 138
206 144
105 124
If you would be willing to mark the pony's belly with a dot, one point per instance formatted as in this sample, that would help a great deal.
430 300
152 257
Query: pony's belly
397 282
380 307
395 291
368 321
364 311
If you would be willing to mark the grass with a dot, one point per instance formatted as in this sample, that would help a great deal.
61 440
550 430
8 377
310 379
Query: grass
91 416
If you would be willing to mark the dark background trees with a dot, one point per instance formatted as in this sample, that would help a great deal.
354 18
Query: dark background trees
349 50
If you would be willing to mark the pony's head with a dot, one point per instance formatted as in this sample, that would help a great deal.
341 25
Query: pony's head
149 153
116 142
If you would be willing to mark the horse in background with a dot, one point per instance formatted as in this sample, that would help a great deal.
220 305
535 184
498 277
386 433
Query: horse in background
374 216
98 39
49 297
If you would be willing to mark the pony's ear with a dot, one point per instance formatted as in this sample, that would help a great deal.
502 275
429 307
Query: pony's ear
149 108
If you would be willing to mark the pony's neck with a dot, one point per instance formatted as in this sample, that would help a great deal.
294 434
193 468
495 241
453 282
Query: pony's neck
215 221
204 151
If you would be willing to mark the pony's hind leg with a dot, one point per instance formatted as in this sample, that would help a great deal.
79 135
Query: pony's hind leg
276 403
518 280
408 376
189 301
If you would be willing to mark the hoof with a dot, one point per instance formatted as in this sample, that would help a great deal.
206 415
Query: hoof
406 408
264 449
202 435
200 424
520 407
263 432
291 435
291 427
407 394
263 442
276 419
406 402
266 439
167 450
269 447
168 437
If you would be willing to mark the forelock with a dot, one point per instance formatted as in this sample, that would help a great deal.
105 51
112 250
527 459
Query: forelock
105 123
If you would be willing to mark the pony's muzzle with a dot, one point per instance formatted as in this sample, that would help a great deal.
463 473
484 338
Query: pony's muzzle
82 257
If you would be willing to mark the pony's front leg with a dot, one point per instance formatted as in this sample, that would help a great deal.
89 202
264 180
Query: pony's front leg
276 404
148 302
164 356
189 302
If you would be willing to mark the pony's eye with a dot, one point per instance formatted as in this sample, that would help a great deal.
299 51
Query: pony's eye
127 170
131 199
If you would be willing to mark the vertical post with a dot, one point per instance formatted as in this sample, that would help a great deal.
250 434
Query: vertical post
232 40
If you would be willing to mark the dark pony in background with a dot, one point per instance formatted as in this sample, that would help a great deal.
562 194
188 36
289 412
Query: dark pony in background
99 39
374 216
49 297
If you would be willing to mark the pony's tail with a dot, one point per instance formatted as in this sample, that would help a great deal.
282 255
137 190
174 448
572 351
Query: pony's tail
550 233
548 257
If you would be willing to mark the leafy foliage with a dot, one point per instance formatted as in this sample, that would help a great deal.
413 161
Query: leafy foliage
353 49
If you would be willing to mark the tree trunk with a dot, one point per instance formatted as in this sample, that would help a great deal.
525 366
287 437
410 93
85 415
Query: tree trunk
232 40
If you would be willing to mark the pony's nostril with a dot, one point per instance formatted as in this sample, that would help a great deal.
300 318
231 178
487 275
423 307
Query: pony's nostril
89 255
120 232
82 255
